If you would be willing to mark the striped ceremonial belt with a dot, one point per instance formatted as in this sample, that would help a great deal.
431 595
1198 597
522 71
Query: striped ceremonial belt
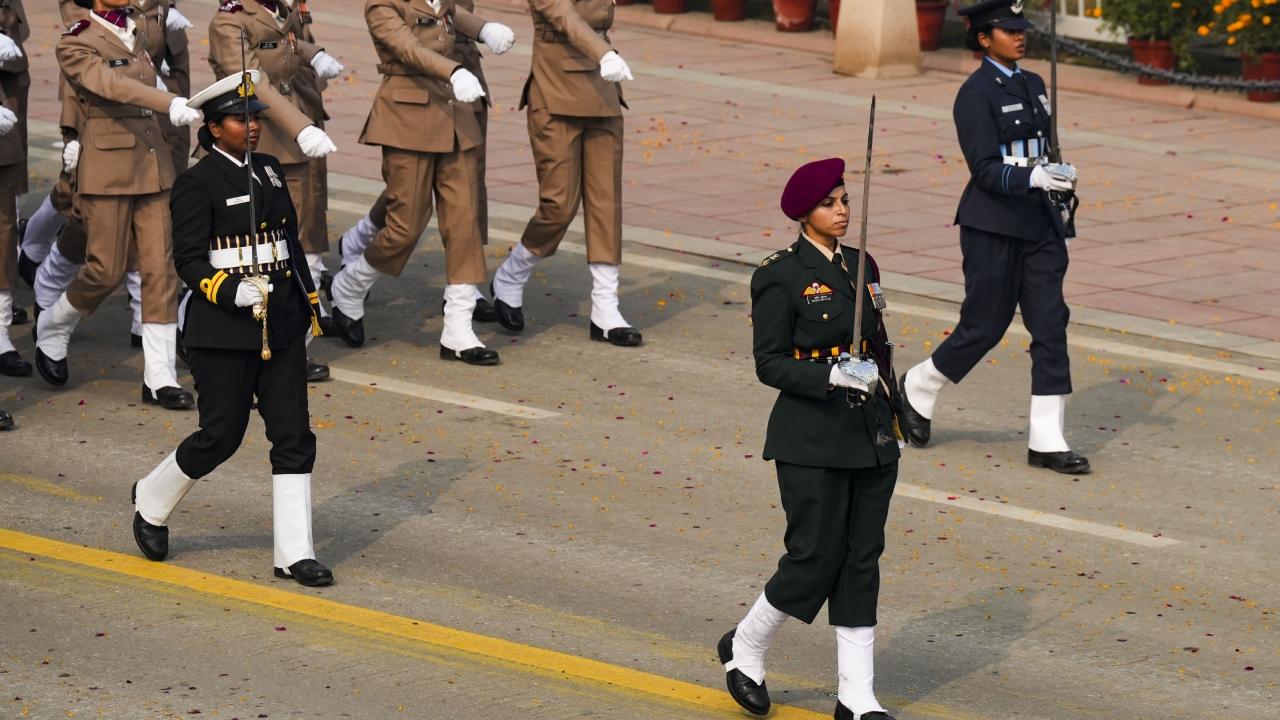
235 253
829 355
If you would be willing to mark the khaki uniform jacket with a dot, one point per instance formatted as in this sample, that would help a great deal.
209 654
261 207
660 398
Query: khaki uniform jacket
308 86
569 38
13 75
468 53
280 56
414 108
123 150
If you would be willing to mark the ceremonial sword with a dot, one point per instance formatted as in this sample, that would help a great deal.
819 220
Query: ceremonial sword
1067 202
860 365
263 283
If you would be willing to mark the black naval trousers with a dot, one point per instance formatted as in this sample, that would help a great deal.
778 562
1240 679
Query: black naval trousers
1002 273
834 539
227 381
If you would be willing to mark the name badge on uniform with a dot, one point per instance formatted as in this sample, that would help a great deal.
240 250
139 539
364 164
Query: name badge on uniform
1047 107
272 45
117 63
271 175
877 295
427 21
231 202
816 292
1011 108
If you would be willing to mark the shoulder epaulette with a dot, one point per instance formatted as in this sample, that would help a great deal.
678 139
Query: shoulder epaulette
231 6
77 28
777 256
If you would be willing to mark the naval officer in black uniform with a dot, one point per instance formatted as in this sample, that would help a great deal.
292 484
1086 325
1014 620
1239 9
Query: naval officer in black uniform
834 442
225 344
1012 235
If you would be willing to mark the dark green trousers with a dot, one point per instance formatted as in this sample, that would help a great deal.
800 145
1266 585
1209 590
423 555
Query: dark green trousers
835 535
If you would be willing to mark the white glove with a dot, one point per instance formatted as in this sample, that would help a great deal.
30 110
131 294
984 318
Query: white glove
181 115
8 121
326 65
248 294
71 156
160 81
176 21
314 142
466 87
9 49
498 37
613 68
1041 178
165 70
840 378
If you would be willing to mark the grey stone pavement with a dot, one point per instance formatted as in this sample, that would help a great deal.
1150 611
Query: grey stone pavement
611 505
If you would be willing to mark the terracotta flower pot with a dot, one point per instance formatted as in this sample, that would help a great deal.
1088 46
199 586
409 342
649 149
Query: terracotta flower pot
929 17
669 7
833 9
1264 66
794 15
729 10
1152 53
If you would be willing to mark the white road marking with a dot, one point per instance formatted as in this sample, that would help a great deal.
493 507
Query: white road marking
1033 516
426 392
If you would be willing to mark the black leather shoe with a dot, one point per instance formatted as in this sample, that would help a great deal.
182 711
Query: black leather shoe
135 340
471 356
20 316
307 572
169 398
317 371
326 282
351 331
1068 462
153 540
510 318
54 372
27 269
844 713
752 697
914 425
622 337
6 421
484 312
326 326
12 364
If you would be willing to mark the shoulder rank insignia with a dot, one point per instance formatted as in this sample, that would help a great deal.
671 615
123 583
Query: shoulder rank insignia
77 28
231 6
776 256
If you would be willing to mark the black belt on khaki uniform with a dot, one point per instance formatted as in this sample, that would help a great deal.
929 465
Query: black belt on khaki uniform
284 88
394 69
117 111
555 36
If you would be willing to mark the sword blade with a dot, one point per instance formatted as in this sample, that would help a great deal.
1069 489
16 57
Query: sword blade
859 289
248 154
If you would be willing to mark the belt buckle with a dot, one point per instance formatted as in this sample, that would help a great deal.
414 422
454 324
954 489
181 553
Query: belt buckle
286 88
147 112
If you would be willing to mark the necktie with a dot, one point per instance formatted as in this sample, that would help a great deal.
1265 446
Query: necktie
119 18
838 261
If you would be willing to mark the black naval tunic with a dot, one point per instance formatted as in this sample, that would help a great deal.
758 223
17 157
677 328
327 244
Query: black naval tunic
1011 236
837 464
210 212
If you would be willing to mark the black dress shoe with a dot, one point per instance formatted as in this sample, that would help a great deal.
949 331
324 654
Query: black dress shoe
484 312
471 356
752 697
317 371
153 540
622 336
12 364
307 572
510 318
326 326
914 425
351 331
326 282
27 269
6 421
844 713
169 398
54 372
135 340
1068 462
20 316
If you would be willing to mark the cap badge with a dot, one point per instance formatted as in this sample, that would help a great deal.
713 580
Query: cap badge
1016 7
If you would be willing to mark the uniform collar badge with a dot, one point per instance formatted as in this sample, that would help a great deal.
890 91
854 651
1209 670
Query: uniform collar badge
271 175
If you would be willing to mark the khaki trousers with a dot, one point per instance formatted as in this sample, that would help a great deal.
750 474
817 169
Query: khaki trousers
8 239
310 207
578 162
413 179
113 223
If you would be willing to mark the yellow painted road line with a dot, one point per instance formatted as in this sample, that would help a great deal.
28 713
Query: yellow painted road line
46 487
427 392
505 652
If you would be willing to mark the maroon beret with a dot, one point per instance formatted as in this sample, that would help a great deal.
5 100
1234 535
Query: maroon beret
809 184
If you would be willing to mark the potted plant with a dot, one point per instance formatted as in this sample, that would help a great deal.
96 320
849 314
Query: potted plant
670 7
1253 30
929 17
794 15
729 10
1157 31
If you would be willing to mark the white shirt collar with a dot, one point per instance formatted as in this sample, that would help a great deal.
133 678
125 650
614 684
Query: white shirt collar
127 34
238 162
826 252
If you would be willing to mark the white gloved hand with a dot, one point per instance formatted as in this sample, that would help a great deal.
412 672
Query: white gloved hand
8 121
165 70
613 68
160 81
314 142
840 378
181 115
176 21
1041 178
9 49
466 87
248 294
326 65
498 37
71 156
